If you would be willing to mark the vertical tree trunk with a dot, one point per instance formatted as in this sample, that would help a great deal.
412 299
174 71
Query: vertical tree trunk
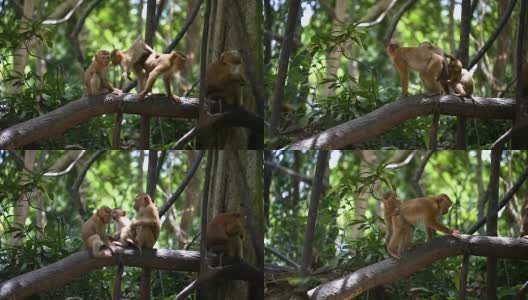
504 49
227 192
491 222
463 54
521 107
20 56
334 57
192 195
22 204
227 32
315 196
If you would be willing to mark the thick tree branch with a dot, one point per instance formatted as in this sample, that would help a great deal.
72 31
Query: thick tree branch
421 256
393 114
77 264
82 110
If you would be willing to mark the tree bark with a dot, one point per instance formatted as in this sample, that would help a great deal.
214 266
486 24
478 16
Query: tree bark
386 117
315 196
421 256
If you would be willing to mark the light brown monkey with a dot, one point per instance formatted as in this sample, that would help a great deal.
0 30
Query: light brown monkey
158 64
123 236
425 61
460 80
147 224
224 234
391 205
426 210
96 76
94 232
524 225
132 60
223 78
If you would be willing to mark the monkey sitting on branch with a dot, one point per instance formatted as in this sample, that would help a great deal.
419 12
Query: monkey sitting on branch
428 61
96 76
132 60
94 233
224 79
405 215
224 235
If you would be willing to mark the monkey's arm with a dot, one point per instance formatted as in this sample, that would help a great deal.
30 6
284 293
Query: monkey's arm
431 223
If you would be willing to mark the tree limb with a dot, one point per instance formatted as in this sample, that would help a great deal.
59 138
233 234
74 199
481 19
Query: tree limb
388 116
82 110
389 270
77 264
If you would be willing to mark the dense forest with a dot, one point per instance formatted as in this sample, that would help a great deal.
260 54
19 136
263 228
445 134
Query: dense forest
47 196
326 225
263 149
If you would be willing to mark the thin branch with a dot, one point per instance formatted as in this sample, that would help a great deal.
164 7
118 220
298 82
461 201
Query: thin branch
203 62
78 181
419 172
183 185
289 172
380 17
293 13
396 20
494 35
283 257
66 17
505 199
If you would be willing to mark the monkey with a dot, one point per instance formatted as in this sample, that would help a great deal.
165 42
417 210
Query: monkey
94 232
132 60
224 234
391 204
96 76
123 235
223 78
429 63
147 224
424 210
158 64
460 80
524 224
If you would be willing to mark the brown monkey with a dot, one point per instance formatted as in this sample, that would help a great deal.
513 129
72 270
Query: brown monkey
426 61
96 76
132 61
426 210
460 80
223 78
224 234
391 205
158 64
147 224
123 235
94 232
524 225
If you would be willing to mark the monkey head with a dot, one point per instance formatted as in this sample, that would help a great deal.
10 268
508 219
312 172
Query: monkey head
454 68
104 213
389 195
103 57
391 47
116 56
231 57
234 227
118 213
142 200
444 203
178 59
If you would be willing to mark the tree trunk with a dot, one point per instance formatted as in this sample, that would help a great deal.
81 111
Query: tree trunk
192 196
225 32
334 57
20 56
22 204
235 182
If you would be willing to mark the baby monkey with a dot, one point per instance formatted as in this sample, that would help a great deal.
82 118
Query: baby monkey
123 236
460 80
